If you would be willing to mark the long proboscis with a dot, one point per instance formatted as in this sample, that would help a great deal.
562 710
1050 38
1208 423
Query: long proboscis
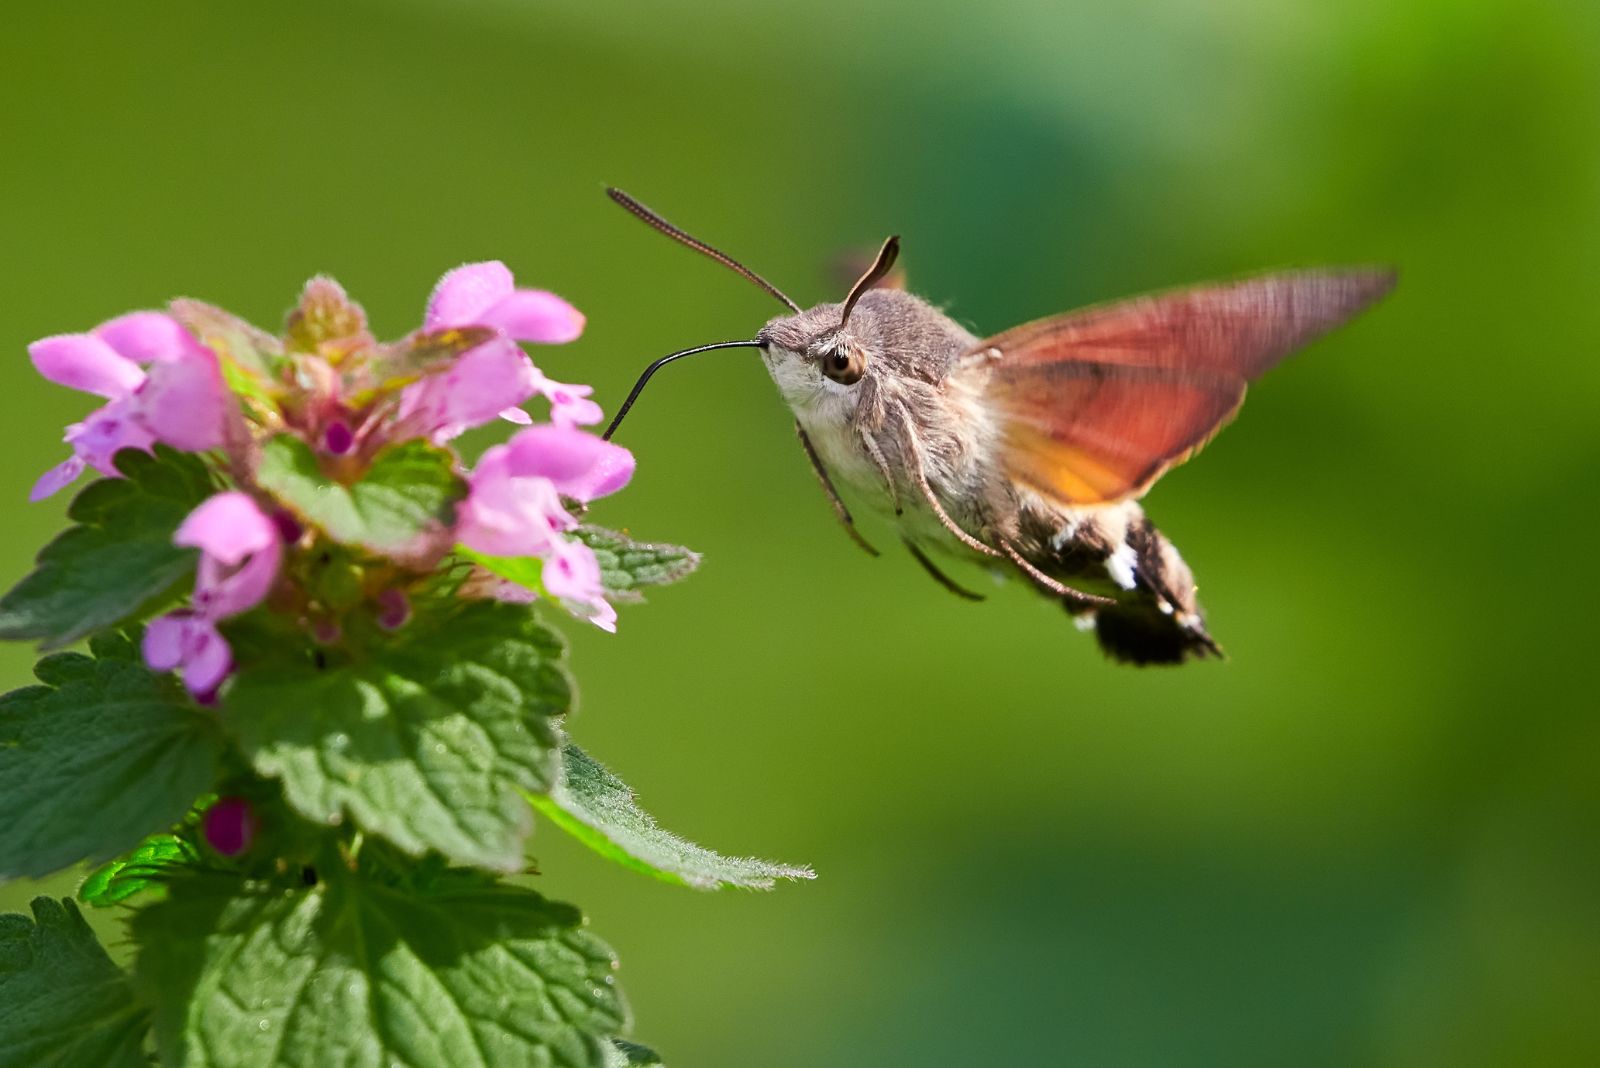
650 371
682 237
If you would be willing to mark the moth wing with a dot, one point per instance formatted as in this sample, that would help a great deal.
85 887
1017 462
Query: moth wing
1094 405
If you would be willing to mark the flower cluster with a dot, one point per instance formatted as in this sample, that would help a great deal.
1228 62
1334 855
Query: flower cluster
199 380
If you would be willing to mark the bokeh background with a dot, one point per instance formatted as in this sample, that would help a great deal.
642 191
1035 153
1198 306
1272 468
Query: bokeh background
1372 837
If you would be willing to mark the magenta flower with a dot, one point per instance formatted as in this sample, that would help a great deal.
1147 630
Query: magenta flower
514 508
513 505
569 405
240 552
571 575
160 384
230 826
493 378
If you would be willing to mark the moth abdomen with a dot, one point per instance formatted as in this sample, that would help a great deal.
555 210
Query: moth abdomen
1156 618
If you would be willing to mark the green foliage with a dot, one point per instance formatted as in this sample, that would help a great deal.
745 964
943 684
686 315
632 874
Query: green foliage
455 971
599 810
66 1004
625 564
403 501
118 560
626 1054
102 754
424 736
143 869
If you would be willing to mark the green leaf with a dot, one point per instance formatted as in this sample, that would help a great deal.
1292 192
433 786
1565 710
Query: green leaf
103 754
464 973
626 1054
625 564
144 869
66 1004
424 736
599 810
119 559
402 506
523 570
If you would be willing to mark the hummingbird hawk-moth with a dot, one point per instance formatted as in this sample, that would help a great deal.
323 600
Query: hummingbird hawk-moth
1029 450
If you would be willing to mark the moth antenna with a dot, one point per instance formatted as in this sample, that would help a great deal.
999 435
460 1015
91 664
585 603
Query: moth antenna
695 243
650 371
876 273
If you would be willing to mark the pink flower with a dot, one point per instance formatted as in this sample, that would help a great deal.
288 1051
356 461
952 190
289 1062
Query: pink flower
160 384
571 575
569 405
240 552
230 826
188 641
514 508
513 505
494 377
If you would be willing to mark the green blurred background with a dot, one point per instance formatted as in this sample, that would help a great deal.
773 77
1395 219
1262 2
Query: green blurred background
1372 837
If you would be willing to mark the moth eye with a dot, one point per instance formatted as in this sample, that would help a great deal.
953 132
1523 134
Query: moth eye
845 368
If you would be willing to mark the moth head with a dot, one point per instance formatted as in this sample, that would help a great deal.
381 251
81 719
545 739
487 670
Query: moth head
825 338
809 352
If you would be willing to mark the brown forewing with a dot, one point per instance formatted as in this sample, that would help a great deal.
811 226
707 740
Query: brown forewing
1094 405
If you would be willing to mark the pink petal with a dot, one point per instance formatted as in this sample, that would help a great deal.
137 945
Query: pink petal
572 575
476 388
228 526
105 432
508 515
164 641
207 659
57 478
603 615
534 315
572 572
147 337
569 404
229 593
184 403
580 464
465 293
85 362
518 416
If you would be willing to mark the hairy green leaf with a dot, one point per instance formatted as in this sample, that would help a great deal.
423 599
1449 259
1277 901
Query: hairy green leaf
424 736
625 564
143 869
103 754
118 559
401 506
599 810
626 1054
66 1004
463 973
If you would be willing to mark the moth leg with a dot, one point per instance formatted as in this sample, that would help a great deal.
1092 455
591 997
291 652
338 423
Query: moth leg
839 508
939 576
1050 585
921 476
